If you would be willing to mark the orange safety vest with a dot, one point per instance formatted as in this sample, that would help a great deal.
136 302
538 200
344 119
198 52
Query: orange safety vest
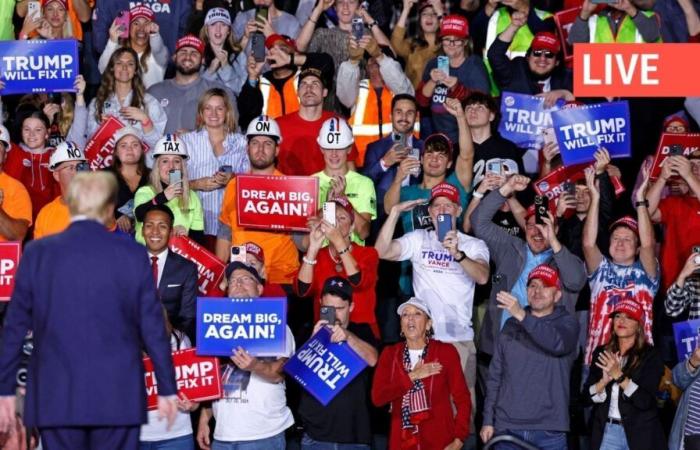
276 105
366 126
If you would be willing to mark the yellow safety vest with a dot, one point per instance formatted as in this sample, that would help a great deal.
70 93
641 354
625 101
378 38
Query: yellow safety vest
627 33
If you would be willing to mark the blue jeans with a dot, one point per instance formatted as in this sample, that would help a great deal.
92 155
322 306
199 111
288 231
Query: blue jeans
178 443
543 440
276 442
614 438
307 443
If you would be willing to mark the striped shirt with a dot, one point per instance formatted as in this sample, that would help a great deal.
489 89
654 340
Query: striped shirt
692 421
202 162
680 298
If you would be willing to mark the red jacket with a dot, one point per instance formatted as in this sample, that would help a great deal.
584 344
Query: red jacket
391 382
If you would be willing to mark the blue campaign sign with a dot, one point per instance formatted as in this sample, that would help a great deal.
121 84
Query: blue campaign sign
583 130
686 337
324 368
38 66
523 119
256 324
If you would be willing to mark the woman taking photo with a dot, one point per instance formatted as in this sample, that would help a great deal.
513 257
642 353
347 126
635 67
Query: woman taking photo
129 167
422 378
169 185
144 38
216 152
123 96
53 23
622 386
417 52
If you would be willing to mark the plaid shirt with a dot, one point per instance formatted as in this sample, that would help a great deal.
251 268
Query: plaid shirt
678 299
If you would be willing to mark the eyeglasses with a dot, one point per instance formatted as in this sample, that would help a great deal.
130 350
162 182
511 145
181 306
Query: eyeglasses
546 53
675 129
452 42
243 280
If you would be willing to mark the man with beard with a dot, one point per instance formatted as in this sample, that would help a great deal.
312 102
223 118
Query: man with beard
263 136
178 95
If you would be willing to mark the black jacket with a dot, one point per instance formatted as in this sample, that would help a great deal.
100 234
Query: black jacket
178 293
639 413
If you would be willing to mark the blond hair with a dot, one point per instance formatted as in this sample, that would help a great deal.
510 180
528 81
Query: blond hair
184 201
92 194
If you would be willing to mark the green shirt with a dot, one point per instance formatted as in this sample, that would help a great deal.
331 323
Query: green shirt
359 189
7 30
191 220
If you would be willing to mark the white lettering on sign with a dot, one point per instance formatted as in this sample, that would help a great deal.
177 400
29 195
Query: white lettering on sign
615 67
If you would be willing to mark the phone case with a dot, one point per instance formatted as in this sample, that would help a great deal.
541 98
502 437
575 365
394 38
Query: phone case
329 212
444 225
443 63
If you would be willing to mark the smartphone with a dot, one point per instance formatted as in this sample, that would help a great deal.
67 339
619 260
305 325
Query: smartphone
494 167
329 212
676 150
175 176
696 249
365 5
399 138
569 188
261 14
258 46
328 314
444 224
443 63
34 9
238 253
358 28
123 20
82 167
541 207
415 154
226 169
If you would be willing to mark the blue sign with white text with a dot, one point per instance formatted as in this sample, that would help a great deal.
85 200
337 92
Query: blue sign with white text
258 325
324 368
686 336
34 65
524 118
583 130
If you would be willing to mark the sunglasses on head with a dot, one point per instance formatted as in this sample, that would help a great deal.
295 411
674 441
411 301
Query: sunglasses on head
546 53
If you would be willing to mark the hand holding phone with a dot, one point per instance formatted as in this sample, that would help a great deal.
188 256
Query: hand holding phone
123 22
258 46
329 212
358 28
541 208
34 9
238 254
175 176
444 225
226 169
328 314
443 64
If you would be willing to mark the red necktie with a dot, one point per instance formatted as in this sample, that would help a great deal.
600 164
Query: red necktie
154 268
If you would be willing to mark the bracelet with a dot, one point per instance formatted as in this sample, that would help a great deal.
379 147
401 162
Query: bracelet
692 366
146 123
620 379
462 257
370 25
308 261
477 194
345 250
645 203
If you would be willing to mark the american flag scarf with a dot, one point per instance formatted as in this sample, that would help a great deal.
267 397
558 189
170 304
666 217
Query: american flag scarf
414 404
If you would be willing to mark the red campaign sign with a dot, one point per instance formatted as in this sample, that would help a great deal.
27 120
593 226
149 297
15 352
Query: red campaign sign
687 142
100 148
552 185
197 377
9 259
209 268
564 20
276 203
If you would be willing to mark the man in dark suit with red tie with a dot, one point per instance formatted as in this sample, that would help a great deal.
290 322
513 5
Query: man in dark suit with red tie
89 298
176 277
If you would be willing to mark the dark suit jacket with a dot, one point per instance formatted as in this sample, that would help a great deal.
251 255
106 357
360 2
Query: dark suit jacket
178 292
90 299
640 416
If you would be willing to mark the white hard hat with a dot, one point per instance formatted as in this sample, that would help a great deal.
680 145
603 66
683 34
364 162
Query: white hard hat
126 131
264 126
5 137
170 144
335 133
65 151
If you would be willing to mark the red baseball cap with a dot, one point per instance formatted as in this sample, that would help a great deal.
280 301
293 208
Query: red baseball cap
544 40
255 250
445 190
548 275
626 221
274 38
62 2
344 203
454 25
141 11
631 308
190 40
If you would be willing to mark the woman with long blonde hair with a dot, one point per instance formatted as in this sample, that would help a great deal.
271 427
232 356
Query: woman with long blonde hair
223 60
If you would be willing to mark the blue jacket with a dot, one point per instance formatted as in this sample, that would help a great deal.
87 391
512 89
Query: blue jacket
685 381
89 297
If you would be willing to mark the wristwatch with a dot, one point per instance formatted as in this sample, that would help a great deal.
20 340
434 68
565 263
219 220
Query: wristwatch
460 256
642 203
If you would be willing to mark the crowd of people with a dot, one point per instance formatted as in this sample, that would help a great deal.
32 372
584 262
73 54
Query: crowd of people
483 316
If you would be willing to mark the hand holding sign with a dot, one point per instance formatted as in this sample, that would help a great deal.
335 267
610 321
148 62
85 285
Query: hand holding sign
592 183
243 360
642 191
602 159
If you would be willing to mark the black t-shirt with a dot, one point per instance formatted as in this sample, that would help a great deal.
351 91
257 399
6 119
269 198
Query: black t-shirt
495 148
346 419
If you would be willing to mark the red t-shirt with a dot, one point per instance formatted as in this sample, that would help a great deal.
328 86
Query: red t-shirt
32 170
363 294
299 152
681 218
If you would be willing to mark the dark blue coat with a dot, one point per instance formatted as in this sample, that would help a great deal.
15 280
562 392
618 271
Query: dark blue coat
90 299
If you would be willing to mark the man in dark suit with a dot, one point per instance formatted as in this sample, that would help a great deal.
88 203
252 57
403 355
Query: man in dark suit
89 297
176 277
384 155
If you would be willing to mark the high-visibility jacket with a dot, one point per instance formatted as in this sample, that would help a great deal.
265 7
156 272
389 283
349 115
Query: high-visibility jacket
498 22
276 105
600 31
371 117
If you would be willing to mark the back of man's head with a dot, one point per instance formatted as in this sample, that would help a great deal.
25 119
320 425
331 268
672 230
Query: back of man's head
93 195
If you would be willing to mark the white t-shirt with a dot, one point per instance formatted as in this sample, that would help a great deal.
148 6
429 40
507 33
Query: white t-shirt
251 408
155 429
442 283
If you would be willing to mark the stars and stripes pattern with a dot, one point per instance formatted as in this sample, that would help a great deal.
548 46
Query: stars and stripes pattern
415 400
